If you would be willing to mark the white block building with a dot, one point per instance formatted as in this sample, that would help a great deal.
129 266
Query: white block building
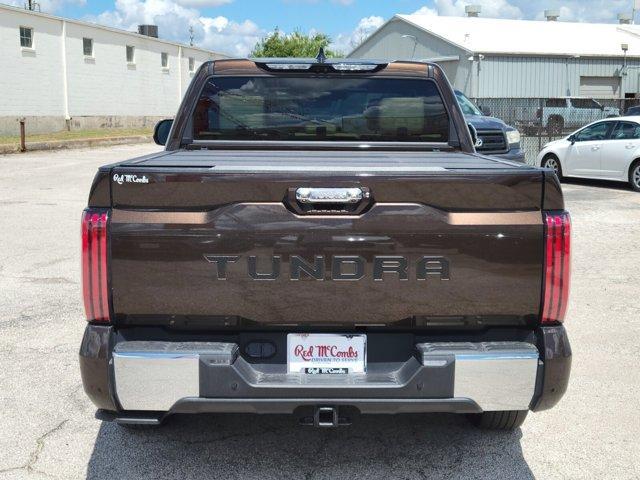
66 74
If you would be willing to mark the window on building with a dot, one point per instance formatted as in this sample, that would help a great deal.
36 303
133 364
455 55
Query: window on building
26 37
192 64
131 54
87 47
164 59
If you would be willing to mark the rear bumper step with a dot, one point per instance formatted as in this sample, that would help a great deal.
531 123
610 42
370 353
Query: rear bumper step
187 377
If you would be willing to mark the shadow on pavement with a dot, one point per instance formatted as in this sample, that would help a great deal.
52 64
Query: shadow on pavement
587 182
251 446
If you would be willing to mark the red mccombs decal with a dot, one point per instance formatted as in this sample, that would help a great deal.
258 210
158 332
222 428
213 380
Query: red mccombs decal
323 351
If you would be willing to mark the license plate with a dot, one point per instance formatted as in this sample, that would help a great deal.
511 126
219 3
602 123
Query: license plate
326 353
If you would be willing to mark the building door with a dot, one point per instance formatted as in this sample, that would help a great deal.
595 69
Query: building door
600 87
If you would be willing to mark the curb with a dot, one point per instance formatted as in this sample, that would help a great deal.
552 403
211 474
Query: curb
76 143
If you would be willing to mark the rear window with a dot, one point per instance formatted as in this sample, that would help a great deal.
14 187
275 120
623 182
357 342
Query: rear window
556 102
326 108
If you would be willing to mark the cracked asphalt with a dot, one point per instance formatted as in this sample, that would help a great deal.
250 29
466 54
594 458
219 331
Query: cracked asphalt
47 429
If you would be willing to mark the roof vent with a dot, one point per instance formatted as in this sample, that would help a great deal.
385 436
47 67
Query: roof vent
624 18
148 30
473 10
552 15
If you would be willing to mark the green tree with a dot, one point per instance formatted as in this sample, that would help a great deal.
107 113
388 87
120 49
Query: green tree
295 44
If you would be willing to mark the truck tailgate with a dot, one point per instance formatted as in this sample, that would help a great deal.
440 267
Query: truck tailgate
212 239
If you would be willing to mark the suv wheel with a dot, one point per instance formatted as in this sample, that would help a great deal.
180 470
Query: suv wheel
634 176
504 420
552 162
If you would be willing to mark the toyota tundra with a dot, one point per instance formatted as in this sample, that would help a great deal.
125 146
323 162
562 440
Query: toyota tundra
320 238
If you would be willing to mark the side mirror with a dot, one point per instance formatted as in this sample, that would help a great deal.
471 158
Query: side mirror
486 111
477 142
161 132
572 139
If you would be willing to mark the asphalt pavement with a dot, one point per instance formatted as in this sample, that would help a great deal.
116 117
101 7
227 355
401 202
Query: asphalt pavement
47 428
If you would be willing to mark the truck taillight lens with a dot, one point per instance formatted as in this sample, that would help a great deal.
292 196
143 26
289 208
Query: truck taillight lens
95 288
557 270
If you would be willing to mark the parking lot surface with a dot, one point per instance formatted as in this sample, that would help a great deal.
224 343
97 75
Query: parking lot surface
47 429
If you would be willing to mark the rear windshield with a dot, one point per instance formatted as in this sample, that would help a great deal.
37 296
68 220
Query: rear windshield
320 108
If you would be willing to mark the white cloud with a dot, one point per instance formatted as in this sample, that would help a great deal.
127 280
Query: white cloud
202 3
174 18
582 11
426 11
47 6
570 10
490 8
345 42
236 39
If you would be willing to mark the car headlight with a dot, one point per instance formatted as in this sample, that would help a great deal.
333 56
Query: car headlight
513 136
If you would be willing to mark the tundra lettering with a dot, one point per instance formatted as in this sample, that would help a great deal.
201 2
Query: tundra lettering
343 267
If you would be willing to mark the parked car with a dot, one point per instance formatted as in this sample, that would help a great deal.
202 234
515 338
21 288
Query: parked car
606 149
632 111
496 138
560 114
320 238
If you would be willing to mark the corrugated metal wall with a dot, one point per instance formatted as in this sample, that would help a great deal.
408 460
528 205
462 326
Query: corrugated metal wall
388 44
525 77
498 76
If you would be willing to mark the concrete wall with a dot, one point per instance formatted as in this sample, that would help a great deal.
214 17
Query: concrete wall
54 86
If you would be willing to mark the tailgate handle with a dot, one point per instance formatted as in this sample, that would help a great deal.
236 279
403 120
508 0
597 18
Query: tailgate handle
330 195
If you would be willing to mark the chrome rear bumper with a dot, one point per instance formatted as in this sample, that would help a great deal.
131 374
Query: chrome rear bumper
211 376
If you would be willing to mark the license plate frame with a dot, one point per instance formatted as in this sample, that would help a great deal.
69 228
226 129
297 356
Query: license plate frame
326 353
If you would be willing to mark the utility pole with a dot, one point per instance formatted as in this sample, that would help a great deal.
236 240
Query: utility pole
191 35
32 5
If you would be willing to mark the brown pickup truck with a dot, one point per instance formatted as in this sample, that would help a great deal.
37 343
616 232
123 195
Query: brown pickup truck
320 238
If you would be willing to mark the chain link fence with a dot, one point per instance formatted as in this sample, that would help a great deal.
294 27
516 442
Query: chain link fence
541 120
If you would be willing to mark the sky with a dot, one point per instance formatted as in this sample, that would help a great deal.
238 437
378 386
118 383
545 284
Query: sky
234 26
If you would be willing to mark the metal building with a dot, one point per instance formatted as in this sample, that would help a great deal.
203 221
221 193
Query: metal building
497 58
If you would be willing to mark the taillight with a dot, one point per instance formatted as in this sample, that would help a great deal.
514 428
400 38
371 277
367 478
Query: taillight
95 288
557 266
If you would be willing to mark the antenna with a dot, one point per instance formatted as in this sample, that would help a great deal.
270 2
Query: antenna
321 57
191 35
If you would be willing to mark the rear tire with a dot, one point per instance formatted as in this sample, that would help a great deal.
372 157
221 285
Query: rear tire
552 162
502 420
634 176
